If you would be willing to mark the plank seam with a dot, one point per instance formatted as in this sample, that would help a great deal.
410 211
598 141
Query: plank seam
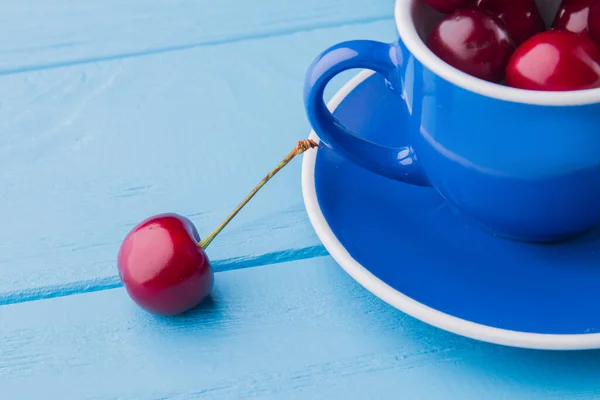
183 47
112 282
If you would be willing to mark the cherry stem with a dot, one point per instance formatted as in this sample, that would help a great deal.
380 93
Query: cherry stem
300 148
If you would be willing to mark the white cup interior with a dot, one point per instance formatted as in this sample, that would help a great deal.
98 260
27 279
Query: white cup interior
414 21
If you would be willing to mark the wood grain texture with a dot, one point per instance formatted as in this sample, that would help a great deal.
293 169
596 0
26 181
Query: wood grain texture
300 330
54 33
89 150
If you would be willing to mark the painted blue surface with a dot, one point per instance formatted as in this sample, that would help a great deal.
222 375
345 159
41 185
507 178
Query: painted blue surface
113 110
301 330
88 151
411 239
523 171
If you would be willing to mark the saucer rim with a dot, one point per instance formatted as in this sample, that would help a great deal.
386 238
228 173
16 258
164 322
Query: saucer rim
398 300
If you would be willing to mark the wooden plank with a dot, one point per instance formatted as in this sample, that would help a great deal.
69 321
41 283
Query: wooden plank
52 33
300 330
90 150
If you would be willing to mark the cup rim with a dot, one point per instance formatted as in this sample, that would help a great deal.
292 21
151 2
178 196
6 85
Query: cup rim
416 46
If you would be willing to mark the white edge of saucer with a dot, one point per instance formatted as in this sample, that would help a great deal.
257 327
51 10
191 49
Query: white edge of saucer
404 303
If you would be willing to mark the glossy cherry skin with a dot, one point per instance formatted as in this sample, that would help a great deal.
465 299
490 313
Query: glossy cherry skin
594 22
521 18
474 42
555 61
447 6
572 16
162 267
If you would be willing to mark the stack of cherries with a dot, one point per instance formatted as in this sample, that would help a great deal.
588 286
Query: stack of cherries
507 42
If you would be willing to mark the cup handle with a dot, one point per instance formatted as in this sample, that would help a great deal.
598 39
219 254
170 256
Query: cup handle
398 163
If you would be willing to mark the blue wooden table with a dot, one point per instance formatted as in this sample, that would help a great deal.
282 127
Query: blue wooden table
115 110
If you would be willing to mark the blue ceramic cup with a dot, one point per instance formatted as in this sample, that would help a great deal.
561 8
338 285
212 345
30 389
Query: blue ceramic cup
523 164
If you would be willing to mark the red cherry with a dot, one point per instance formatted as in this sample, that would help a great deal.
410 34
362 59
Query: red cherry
474 42
594 21
572 16
521 18
447 6
162 261
162 267
555 61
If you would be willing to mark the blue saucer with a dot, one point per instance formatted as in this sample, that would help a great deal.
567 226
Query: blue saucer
405 245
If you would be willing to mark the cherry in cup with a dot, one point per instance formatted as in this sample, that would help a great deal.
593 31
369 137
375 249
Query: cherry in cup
555 61
474 42
162 261
447 6
594 22
572 16
521 18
